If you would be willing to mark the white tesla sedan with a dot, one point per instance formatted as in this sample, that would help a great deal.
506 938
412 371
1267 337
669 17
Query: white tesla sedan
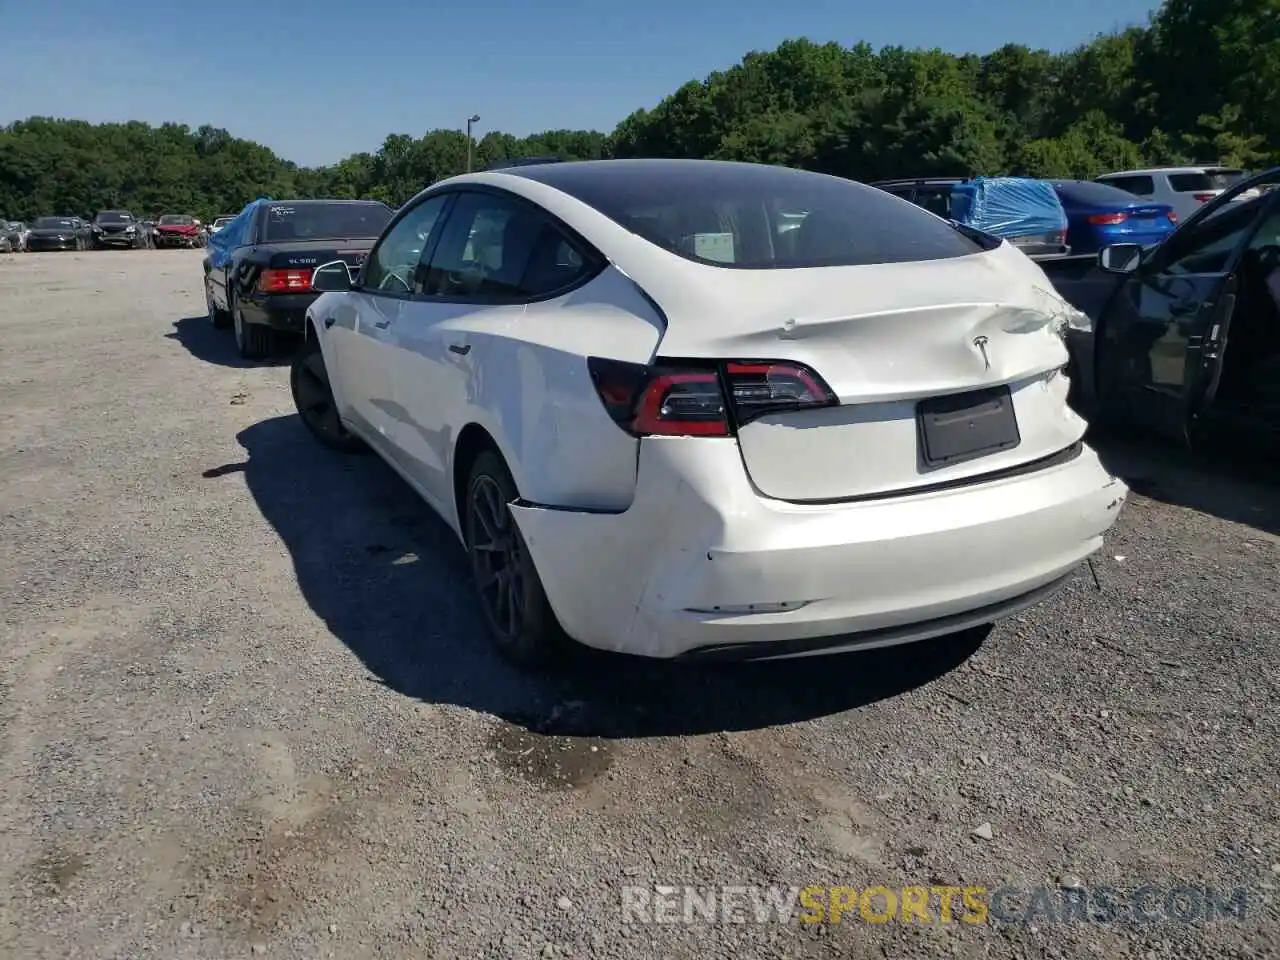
689 408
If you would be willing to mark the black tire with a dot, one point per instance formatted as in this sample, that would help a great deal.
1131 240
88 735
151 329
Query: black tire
313 398
254 341
520 620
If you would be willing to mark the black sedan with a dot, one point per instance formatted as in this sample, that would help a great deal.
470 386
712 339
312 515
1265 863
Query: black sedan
59 233
118 228
257 279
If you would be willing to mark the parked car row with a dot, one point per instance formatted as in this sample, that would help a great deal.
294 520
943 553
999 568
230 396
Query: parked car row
1136 206
109 229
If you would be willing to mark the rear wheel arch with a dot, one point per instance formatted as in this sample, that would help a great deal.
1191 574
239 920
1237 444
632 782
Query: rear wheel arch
472 441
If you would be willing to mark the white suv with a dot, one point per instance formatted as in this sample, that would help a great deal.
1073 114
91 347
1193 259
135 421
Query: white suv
1183 188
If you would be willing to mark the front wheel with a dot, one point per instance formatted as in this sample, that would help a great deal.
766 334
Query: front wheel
515 607
313 397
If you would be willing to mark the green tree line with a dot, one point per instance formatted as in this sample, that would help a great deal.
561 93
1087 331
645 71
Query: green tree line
1197 83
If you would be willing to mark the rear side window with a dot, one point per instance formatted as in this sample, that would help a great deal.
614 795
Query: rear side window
1142 186
758 217
1209 180
496 247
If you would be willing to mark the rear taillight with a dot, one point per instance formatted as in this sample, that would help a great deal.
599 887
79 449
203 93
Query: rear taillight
688 400
1109 219
1173 217
1204 197
285 281
771 386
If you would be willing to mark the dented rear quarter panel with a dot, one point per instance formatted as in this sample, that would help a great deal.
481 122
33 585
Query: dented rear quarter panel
527 384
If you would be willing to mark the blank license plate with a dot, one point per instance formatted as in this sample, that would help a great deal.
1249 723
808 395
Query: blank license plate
966 426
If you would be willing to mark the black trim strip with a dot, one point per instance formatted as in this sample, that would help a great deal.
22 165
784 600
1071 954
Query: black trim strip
781 648
1031 466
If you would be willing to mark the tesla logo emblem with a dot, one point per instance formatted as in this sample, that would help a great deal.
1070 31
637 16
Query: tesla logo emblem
981 344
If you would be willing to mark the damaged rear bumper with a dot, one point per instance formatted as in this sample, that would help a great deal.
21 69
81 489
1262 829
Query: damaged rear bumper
701 564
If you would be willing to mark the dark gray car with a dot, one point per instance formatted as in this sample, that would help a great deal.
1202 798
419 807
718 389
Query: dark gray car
119 228
59 233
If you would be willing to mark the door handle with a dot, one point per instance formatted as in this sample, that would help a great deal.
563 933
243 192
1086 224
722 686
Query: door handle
382 324
460 348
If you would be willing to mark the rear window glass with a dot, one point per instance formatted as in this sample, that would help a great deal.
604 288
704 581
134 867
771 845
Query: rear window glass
325 221
755 216
1140 186
1209 180
1082 191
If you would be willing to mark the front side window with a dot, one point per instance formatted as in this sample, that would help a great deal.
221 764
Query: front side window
1208 246
393 264
497 247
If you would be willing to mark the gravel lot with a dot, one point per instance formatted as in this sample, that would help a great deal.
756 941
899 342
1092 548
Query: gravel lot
246 707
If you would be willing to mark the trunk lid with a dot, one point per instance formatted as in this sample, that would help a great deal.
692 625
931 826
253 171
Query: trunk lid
885 338
1149 212
309 254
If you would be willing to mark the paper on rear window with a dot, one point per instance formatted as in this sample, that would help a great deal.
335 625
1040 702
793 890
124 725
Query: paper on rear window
714 246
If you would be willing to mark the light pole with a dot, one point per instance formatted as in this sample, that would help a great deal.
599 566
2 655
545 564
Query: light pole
474 118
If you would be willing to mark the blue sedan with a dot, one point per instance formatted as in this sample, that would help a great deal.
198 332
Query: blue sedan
1098 215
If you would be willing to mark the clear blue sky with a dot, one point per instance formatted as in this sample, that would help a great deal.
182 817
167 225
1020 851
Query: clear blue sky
316 80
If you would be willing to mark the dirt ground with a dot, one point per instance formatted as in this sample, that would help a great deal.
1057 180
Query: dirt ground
246 707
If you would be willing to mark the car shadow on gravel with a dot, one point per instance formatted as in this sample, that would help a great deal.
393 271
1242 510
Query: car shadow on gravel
389 579
219 346
1231 485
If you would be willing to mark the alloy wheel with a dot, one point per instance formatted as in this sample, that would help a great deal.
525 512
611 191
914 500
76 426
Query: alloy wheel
496 557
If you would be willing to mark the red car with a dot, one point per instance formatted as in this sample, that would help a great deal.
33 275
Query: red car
179 230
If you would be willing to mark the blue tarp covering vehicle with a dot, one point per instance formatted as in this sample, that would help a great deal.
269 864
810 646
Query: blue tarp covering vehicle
1025 212
222 243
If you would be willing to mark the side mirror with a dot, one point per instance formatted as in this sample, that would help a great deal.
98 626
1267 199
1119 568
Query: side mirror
1120 257
332 277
